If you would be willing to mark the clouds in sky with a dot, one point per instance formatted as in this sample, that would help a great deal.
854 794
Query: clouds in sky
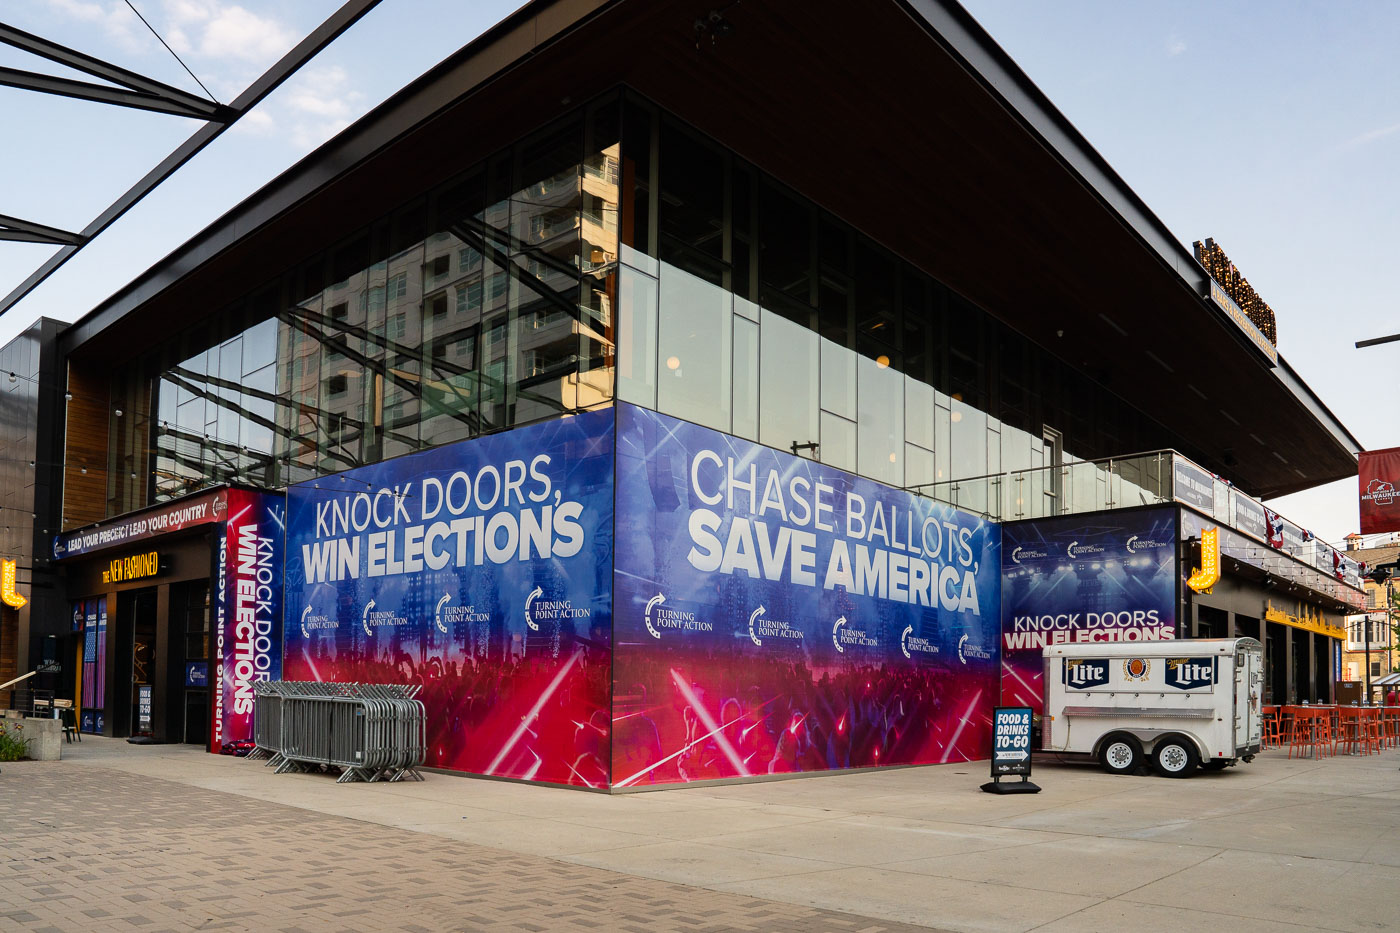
1356 142
317 102
227 44
1175 45
222 31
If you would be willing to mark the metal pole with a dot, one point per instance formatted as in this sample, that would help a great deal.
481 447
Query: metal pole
1368 656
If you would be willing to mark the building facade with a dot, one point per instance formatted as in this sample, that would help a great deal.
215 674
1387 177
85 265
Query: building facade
668 429
1370 647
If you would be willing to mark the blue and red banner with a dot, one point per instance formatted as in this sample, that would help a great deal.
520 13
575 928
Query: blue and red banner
91 616
775 615
247 608
481 571
1081 579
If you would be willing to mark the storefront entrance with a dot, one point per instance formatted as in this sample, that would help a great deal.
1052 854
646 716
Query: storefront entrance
135 650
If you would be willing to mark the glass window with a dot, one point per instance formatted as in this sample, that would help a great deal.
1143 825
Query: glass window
838 442
693 344
692 204
918 412
637 359
260 345
918 467
881 448
838 379
969 441
745 378
788 383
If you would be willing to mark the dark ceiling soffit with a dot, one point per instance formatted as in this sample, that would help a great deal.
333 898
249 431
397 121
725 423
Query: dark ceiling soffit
26 231
1309 400
140 91
968 43
953 28
375 131
319 38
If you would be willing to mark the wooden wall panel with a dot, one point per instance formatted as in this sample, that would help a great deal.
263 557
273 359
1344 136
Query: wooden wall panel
85 446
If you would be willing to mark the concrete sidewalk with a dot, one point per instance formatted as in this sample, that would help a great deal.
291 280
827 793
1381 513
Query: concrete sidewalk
1278 844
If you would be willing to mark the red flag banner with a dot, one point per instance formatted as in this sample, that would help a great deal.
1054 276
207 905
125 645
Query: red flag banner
1379 480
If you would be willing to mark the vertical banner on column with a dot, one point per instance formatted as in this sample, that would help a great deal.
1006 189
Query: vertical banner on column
775 615
92 616
218 577
480 571
1078 579
249 608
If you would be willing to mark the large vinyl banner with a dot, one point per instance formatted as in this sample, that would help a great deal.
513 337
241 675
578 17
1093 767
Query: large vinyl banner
774 615
1378 473
480 570
1105 577
247 608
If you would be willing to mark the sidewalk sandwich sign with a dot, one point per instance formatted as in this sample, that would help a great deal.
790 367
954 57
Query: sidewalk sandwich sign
1011 751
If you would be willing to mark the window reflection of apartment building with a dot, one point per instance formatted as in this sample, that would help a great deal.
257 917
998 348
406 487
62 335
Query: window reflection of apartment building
502 314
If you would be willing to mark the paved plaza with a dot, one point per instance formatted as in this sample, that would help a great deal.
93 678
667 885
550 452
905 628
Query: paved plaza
168 838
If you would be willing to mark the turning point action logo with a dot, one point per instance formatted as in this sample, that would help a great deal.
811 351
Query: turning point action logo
310 623
1029 554
656 617
967 650
909 643
841 636
761 627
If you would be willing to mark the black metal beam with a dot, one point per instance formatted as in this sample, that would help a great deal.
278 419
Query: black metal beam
105 94
1376 340
26 231
142 92
324 34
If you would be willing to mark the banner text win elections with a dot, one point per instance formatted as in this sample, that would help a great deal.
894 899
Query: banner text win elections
495 514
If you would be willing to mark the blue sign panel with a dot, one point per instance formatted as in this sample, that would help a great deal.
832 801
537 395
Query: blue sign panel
1079 579
1084 673
775 615
1191 673
1011 741
481 571
196 673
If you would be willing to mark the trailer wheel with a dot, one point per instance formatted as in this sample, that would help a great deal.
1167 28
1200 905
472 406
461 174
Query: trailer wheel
1120 754
1175 756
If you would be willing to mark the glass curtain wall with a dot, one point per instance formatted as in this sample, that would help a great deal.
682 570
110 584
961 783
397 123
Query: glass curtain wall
490 302
487 303
748 309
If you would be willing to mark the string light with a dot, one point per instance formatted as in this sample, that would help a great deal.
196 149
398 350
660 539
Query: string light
1219 267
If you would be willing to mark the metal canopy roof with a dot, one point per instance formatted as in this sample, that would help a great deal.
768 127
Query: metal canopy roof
907 120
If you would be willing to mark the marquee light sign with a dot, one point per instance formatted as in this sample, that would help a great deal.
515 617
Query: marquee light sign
1232 293
8 595
132 567
1208 574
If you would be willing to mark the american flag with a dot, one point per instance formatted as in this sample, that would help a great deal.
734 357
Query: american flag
1275 523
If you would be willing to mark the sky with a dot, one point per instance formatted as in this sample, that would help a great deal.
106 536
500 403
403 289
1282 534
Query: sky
1273 127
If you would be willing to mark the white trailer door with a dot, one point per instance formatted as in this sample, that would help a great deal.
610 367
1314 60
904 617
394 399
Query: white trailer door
1249 687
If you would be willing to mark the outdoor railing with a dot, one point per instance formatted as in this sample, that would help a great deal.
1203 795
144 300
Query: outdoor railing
1064 489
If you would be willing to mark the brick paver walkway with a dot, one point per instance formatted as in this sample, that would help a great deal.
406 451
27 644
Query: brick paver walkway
87 848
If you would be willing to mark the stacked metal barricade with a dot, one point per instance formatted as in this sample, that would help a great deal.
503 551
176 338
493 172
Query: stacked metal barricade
371 732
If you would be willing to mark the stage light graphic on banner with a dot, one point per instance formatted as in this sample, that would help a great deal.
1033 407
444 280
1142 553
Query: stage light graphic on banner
480 570
776 615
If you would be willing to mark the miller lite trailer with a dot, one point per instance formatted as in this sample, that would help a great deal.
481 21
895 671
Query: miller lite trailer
1178 704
